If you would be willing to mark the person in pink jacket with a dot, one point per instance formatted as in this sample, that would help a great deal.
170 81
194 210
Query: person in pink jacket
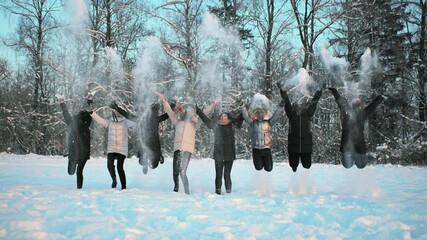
184 140
117 147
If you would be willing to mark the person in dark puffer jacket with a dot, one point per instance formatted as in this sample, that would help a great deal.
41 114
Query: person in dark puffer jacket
150 152
300 138
354 115
224 147
78 140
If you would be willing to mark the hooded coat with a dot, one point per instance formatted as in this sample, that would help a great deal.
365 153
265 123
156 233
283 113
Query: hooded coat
353 124
300 137
78 134
261 136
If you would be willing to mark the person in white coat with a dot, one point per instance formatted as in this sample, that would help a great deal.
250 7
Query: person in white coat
185 139
117 148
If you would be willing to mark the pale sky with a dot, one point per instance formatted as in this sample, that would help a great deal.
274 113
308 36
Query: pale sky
8 23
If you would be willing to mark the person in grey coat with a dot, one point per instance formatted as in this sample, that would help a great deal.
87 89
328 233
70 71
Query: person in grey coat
354 115
261 136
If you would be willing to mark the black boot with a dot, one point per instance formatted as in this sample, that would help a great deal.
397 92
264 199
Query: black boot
218 191
114 184
228 190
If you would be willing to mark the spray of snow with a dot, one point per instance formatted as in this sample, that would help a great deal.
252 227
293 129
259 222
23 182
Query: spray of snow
212 27
337 67
220 44
368 64
259 101
146 77
77 10
146 71
299 85
77 14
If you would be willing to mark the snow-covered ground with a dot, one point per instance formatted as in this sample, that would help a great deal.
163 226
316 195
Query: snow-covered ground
39 200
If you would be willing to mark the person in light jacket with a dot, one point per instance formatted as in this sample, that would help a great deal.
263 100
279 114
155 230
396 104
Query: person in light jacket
117 148
184 140
261 137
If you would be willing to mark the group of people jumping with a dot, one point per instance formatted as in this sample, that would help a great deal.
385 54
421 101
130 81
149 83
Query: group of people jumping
186 120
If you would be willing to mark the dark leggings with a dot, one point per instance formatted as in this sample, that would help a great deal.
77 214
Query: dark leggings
262 159
110 165
220 168
180 165
295 157
80 167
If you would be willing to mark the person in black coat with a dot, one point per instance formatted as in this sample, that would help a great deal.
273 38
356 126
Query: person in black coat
150 153
224 146
354 115
78 140
300 138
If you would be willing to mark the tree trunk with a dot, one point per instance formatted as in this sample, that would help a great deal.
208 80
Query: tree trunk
268 52
422 106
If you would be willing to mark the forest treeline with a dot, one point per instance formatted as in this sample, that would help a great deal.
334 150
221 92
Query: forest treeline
124 50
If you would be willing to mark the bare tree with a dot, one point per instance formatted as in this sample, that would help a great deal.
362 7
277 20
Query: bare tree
271 22
313 17
183 18
36 21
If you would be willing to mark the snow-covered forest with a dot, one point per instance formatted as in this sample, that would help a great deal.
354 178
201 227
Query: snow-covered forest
196 51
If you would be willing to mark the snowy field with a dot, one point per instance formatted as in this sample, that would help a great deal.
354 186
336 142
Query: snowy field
39 200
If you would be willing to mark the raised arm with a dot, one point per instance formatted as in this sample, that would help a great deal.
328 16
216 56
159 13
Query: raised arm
208 110
99 119
288 106
245 115
211 106
341 101
204 118
123 112
276 114
373 105
67 115
238 121
168 109
165 116
313 104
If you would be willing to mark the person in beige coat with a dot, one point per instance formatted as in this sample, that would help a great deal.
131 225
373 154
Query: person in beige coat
117 147
185 139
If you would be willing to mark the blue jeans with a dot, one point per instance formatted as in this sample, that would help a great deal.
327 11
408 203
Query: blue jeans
349 158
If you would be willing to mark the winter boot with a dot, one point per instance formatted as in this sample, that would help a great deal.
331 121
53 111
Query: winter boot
228 190
114 184
218 191
162 160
